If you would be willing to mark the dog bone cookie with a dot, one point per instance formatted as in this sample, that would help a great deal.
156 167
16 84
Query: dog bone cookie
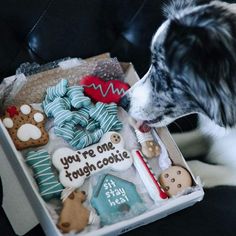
148 178
40 162
107 121
74 216
25 126
103 91
175 179
60 110
83 139
115 199
81 117
59 90
77 98
75 166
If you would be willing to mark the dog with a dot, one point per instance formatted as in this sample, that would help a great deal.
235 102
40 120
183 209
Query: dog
193 70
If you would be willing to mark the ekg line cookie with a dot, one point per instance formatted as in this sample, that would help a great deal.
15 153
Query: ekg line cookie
40 162
25 126
103 91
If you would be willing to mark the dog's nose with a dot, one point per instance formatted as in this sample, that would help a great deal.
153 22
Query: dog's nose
125 102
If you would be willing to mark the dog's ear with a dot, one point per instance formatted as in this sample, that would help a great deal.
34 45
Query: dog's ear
174 6
201 42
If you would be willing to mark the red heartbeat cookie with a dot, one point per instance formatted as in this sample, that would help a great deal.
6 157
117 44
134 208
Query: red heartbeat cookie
103 91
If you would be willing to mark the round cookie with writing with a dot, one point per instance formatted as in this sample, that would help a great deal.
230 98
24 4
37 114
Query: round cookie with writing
76 166
175 179
25 126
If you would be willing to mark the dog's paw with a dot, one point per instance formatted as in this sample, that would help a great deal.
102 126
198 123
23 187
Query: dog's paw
25 126
213 175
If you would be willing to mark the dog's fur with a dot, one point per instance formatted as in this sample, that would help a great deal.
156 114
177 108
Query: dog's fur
193 70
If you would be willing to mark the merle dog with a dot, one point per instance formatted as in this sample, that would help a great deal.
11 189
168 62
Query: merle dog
193 70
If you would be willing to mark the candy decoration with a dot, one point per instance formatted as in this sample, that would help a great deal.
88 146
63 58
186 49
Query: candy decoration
103 91
150 181
12 111
49 187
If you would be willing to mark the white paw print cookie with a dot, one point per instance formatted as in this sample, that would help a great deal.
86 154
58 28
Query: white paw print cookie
25 126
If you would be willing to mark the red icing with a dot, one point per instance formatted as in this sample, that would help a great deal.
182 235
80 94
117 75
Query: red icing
162 194
12 111
144 128
103 91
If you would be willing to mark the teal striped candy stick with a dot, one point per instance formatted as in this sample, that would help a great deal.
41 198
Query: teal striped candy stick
40 162
77 98
58 90
60 110
107 122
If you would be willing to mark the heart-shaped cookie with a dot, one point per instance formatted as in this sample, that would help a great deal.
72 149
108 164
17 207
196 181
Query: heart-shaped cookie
103 91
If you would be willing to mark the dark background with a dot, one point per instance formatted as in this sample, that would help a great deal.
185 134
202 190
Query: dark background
46 30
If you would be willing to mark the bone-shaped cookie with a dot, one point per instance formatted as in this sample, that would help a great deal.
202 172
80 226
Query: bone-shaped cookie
75 166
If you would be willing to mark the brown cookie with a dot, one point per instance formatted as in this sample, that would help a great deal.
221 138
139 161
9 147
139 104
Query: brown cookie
150 149
74 216
25 126
175 179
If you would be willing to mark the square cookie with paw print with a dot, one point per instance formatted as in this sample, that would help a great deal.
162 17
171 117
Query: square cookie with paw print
25 126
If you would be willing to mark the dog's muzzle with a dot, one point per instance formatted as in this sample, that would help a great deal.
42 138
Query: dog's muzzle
125 102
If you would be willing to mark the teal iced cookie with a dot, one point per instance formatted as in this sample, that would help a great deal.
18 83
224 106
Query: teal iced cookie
40 162
116 199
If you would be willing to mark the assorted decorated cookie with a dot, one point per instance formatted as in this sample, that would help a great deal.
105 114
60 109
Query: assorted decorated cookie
40 162
103 91
115 198
175 180
92 130
148 177
75 166
25 126
74 216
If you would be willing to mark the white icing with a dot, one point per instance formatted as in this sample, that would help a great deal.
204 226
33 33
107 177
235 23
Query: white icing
28 131
8 123
38 117
75 166
25 109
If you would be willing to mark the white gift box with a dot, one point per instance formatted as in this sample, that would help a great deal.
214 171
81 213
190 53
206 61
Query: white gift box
26 208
